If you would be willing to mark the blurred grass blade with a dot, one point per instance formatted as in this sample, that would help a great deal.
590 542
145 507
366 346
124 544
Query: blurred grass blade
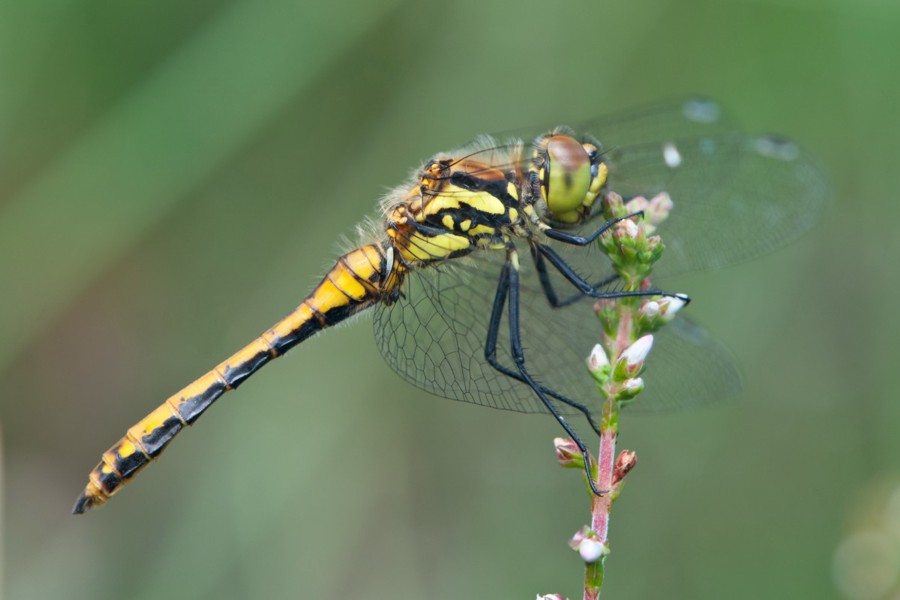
175 129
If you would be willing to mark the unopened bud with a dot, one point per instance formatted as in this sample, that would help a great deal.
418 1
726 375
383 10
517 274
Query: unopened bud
630 388
658 208
591 550
627 228
588 545
631 361
598 364
648 316
650 310
568 453
625 462
669 307
613 206
637 204
654 248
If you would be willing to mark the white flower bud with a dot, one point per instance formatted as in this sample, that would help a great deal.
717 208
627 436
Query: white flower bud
615 204
633 386
627 228
591 550
598 364
568 453
631 361
669 306
651 309
630 388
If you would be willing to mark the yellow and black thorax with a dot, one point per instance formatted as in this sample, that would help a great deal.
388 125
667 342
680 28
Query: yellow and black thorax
457 207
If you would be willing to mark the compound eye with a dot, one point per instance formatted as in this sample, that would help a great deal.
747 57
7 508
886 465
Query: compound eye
567 179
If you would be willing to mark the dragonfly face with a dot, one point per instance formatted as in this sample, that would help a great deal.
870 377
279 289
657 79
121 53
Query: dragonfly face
566 178
487 251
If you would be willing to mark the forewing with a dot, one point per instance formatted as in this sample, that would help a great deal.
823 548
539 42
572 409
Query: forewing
672 118
736 196
675 118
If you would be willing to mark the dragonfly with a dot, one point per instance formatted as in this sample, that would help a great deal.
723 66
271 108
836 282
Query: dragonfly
482 269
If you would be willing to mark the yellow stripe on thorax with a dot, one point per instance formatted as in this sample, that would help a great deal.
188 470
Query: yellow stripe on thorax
481 201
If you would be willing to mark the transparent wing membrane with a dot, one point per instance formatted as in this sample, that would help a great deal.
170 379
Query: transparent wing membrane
736 196
435 336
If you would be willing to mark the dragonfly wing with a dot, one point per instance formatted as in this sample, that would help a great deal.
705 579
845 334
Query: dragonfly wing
735 197
686 368
434 338
675 118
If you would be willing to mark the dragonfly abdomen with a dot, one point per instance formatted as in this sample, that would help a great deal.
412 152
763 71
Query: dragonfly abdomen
360 278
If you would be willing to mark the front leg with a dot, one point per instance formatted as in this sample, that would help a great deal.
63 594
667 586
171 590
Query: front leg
577 240
508 287
490 348
547 286
589 290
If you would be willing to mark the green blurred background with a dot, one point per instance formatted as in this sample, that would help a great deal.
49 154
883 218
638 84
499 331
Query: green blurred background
176 176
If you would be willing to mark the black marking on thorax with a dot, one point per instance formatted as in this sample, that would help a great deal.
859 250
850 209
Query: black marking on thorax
495 187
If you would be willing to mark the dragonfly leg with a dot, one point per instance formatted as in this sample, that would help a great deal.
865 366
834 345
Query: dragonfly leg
587 289
579 240
544 277
508 288
490 354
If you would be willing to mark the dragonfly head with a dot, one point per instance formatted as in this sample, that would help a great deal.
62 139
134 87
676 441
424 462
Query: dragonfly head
568 174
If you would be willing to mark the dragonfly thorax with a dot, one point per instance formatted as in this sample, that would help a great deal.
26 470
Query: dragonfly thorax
455 207
565 177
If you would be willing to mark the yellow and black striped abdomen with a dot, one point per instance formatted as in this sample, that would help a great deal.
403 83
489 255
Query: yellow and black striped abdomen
359 279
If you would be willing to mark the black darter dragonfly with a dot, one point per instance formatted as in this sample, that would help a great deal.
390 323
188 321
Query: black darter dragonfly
483 270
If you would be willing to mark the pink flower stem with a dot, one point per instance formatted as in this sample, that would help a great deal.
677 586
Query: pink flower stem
601 505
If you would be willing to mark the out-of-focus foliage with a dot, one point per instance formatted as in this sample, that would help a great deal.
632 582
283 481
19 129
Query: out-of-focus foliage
174 177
